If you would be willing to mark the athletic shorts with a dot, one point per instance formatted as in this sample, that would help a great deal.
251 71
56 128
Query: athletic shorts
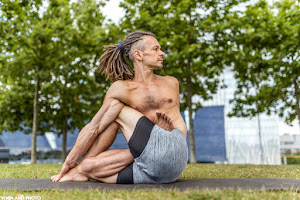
160 155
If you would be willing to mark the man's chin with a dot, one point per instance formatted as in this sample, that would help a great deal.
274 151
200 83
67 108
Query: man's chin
158 67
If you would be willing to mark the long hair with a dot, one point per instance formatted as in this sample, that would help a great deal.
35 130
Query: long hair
117 65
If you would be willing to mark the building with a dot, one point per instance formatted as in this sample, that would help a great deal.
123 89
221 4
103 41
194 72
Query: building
4 153
17 143
289 144
247 140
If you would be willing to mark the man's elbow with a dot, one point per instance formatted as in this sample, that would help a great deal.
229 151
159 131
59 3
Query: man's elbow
114 104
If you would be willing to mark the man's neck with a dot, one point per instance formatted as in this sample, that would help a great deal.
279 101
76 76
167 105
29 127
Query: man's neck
143 74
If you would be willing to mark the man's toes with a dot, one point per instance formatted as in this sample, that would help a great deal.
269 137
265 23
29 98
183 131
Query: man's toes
168 119
158 114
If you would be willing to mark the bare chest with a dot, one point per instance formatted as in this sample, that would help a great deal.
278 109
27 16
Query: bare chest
148 99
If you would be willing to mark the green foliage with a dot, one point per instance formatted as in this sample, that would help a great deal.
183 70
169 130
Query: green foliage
265 53
17 74
64 40
292 161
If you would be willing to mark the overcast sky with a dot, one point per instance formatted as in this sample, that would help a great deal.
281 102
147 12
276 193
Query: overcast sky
113 11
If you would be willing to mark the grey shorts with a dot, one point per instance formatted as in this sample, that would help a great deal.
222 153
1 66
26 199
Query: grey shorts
160 155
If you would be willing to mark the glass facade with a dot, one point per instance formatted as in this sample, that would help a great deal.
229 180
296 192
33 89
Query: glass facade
248 140
209 134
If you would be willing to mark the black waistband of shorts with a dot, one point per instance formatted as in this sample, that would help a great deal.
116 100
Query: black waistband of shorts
140 136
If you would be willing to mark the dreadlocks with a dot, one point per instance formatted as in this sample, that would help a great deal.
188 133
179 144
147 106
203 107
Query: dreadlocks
115 61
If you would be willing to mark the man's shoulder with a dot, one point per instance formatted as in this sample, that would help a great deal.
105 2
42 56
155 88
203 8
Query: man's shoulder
119 84
117 89
171 79
168 78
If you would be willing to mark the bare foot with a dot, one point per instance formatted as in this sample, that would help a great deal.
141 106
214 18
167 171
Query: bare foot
73 175
164 121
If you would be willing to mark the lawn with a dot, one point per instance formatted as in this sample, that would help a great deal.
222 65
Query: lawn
192 171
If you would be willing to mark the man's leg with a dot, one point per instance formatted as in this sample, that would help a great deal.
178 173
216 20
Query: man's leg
103 141
99 164
101 144
116 161
106 166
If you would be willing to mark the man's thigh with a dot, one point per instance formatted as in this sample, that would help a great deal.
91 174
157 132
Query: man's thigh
127 119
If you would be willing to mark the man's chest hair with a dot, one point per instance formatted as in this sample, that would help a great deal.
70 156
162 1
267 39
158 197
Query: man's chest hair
153 97
151 101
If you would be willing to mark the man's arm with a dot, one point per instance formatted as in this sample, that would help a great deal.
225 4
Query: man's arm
108 112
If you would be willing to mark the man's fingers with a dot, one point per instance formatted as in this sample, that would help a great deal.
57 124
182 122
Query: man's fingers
65 168
57 178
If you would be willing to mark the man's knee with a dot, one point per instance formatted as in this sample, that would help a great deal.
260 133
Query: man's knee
87 165
95 167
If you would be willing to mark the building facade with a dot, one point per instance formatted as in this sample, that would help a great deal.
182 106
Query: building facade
248 140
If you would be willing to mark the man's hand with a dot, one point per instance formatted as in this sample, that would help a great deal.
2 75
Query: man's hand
65 168
164 121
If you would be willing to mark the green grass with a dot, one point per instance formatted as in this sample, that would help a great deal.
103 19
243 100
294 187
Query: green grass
192 171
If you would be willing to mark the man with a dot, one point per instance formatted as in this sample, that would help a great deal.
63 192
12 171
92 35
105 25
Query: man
134 103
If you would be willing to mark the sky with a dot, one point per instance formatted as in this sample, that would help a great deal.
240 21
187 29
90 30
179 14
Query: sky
113 11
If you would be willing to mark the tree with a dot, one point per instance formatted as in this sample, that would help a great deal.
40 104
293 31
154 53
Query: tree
47 61
76 96
21 66
265 54
190 34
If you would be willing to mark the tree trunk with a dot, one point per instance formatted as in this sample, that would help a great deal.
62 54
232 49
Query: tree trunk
262 156
35 116
191 120
297 95
189 100
64 141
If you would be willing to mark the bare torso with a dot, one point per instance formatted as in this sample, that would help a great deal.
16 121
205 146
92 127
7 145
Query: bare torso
161 95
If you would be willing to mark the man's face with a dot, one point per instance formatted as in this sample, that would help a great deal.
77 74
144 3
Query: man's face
152 54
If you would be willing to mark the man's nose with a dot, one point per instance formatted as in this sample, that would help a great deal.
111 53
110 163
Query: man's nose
162 53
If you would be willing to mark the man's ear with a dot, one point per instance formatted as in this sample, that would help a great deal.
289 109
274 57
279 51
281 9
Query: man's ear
138 55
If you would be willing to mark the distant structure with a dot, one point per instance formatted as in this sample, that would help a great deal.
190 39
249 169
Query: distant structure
247 140
289 144
16 143
4 153
209 134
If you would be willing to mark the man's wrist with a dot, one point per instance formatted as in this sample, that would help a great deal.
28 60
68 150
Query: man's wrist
71 160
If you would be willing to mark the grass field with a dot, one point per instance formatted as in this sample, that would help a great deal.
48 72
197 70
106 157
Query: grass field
192 171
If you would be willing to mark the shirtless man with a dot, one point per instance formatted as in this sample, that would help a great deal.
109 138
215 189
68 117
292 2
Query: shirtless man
145 107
